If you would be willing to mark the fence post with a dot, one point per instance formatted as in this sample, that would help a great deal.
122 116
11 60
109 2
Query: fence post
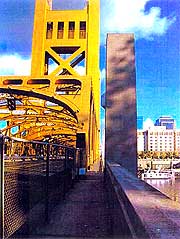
73 167
1 186
66 158
47 185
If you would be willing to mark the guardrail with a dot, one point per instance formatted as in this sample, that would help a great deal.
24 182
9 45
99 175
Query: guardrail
34 175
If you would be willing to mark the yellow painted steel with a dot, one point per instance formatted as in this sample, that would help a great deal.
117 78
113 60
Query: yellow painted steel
63 98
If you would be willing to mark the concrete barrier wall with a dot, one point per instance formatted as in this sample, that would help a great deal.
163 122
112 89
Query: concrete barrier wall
118 225
148 213
123 214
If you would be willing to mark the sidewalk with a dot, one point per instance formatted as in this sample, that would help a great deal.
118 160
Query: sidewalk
84 212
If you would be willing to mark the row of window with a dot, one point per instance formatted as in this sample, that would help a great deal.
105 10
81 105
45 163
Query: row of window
71 30
162 138
161 133
157 149
161 141
161 149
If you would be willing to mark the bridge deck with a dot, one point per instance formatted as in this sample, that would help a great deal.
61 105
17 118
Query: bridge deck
83 213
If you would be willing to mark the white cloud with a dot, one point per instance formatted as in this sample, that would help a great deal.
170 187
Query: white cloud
14 65
124 16
81 70
148 124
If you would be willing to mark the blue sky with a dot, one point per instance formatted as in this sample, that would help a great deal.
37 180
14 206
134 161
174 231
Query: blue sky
155 25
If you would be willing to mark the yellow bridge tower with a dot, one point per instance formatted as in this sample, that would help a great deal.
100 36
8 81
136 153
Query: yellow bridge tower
60 100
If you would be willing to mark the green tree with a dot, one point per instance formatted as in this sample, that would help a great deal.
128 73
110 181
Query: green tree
163 155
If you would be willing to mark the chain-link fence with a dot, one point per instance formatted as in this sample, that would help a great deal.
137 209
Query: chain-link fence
34 177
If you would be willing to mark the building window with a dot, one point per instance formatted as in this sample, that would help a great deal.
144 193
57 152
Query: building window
49 30
71 30
60 31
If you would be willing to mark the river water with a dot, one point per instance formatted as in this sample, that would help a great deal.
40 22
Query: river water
170 187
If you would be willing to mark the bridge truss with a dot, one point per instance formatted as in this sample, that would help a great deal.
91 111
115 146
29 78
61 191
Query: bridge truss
59 101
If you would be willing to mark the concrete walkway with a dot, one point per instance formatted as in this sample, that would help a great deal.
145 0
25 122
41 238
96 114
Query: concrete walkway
84 212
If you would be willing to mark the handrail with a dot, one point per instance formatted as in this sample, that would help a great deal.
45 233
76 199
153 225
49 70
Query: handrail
36 142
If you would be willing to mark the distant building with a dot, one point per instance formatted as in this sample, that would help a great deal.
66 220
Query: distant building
159 137
140 140
177 140
166 121
140 121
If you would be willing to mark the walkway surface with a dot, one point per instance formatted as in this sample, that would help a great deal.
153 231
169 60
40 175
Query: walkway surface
84 212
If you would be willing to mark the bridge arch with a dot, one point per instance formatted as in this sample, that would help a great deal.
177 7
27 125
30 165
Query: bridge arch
37 116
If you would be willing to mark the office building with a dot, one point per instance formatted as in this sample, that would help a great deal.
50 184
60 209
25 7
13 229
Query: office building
166 121
177 140
159 139
140 140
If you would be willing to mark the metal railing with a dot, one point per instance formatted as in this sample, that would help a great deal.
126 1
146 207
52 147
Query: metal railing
1 189
33 174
